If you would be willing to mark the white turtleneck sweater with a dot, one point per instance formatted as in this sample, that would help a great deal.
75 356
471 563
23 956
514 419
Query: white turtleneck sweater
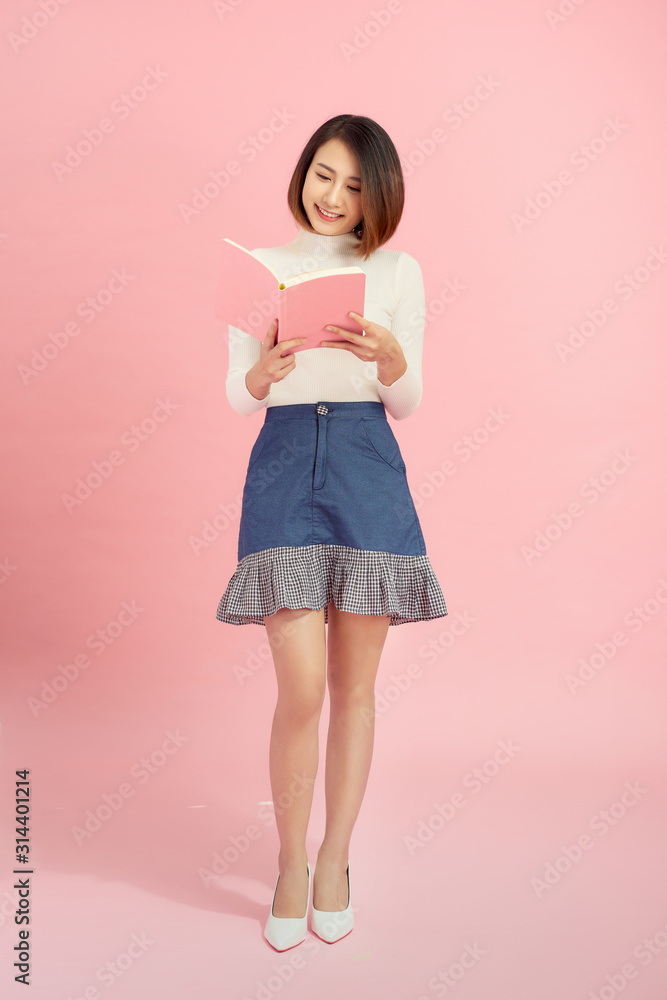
394 299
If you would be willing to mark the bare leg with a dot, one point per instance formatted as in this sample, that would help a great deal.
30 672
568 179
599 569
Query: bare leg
354 646
298 646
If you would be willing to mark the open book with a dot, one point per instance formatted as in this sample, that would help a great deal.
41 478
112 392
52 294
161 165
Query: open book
250 295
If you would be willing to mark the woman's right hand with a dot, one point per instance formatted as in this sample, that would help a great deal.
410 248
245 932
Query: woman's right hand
271 367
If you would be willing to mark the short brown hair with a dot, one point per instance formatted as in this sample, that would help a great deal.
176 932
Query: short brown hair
382 188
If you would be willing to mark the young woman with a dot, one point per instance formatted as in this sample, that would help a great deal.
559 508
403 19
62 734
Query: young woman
329 533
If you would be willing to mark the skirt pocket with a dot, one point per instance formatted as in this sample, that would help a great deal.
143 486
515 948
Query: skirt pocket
381 438
258 447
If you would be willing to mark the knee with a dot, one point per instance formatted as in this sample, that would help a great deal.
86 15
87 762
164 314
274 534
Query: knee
303 705
351 694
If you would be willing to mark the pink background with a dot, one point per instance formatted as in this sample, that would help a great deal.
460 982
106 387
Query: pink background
159 530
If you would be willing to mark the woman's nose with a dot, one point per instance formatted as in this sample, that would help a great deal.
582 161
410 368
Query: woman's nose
334 196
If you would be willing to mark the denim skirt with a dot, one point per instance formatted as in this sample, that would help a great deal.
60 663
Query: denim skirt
327 515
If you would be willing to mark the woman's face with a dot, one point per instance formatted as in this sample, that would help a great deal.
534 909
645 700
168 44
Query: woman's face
332 183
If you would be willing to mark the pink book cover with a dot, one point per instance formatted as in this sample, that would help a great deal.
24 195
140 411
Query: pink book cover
250 295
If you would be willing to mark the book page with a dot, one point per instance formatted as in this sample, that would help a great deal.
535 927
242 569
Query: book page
320 273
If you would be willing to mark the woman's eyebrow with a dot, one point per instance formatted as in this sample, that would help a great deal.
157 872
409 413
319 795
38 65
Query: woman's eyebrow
318 164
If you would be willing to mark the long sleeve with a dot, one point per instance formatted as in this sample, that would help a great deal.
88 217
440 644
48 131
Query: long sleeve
397 301
244 352
403 396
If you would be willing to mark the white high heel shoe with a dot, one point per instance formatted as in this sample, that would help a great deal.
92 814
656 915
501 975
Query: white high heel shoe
332 925
286 932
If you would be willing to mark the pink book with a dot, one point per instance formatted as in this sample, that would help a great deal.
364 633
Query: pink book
250 294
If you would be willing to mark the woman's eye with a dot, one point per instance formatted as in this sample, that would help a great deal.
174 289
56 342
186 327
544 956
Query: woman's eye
322 177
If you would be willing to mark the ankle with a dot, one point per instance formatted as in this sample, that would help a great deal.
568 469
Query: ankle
333 857
292 863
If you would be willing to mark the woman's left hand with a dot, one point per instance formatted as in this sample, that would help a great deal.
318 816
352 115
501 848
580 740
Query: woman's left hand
375 344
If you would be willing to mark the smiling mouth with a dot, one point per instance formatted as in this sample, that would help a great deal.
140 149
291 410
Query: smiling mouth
330 218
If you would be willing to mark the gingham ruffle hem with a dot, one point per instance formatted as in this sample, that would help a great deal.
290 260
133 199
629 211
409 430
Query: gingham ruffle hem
403 587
